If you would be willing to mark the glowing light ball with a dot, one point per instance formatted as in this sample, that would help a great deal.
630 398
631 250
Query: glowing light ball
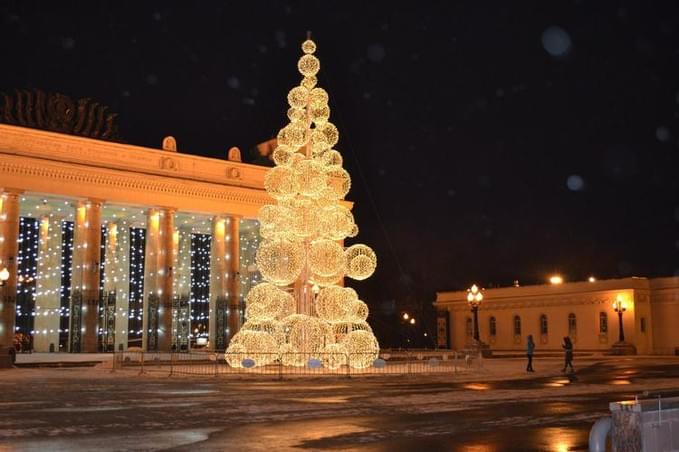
282 155
297 97
280 261
326 257
331 133
308 46
296 114
318 96
341 329
334 356
274 215
360 311
309 82
259 346
361 261
332 158
266 301
311 177
273 327
339 183
235 354
334 303
294 134
337 222
308 65
319 113
307 334
319 142
362 348
325 281
290 356
280 182
304 218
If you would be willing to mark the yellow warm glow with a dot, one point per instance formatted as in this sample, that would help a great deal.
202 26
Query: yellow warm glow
154 220
556 279
303 232
220 228
82 214
620 303
44 229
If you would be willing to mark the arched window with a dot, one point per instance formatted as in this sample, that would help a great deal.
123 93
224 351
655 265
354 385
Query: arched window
543 325
572 325
517 325
603 323
468 327
492 326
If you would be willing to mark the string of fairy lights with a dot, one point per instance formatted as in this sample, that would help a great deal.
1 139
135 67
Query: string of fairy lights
46 268
301 309
249 273
200 283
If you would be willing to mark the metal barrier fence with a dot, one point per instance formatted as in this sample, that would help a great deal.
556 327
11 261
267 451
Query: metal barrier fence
295 364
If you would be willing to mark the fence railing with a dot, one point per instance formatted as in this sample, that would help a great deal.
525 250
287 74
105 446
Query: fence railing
280 365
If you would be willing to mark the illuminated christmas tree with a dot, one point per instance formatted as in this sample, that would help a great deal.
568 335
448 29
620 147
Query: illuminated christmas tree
301 311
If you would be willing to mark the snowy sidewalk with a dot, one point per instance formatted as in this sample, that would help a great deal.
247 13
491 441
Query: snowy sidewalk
40 358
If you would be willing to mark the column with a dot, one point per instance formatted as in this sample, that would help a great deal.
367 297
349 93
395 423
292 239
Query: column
116 286
158 276
233 263
48 290
181 290
219 279
84 323
9 248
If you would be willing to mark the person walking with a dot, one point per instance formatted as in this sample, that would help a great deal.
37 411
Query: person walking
530 348
568 354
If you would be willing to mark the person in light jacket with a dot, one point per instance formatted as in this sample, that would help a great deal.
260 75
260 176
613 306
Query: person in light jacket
530 349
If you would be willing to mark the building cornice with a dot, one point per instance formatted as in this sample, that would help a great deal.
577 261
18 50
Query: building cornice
573 288
57 147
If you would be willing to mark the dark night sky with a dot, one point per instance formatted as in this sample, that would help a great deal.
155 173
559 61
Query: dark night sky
497 140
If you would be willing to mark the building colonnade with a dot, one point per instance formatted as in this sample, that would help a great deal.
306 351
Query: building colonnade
100 262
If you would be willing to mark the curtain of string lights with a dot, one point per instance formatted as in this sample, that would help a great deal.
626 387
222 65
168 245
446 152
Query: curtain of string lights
136 286
200 284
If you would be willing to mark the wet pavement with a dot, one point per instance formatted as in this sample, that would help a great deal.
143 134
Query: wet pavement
88 409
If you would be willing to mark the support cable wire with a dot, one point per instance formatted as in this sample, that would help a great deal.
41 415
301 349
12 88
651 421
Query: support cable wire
371 199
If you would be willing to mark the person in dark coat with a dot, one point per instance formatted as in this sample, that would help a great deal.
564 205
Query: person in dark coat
568 354
530 349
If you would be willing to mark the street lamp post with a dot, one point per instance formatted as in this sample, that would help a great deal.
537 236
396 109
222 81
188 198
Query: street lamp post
619 307
474 298
408 320
621 347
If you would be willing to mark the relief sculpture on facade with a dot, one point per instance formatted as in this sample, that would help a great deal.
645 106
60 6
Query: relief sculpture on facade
59 113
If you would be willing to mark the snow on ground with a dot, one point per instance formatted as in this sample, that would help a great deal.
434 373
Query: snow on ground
94 408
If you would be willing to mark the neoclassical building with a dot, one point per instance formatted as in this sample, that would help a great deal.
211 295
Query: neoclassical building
110 245
582 310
